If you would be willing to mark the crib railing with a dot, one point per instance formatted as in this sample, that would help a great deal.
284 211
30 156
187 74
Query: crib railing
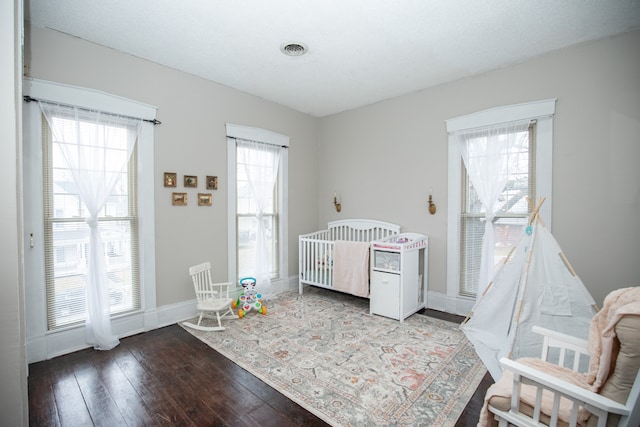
316 259
356 235
316 249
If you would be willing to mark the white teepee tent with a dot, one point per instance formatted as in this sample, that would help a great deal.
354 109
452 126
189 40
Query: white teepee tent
536 285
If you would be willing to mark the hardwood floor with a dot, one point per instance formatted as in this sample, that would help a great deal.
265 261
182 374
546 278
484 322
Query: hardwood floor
168 377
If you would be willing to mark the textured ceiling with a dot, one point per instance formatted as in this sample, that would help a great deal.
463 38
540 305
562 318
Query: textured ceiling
360 51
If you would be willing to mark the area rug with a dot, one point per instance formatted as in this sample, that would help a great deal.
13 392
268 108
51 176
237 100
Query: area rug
324 351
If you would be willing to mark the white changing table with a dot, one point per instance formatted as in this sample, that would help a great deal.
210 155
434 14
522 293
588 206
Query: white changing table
399 267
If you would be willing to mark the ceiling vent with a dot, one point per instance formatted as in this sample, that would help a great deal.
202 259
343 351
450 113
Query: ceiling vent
293 49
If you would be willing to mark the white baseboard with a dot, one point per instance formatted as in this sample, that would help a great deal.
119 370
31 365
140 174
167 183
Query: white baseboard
72 339
441 302
174 313
288 284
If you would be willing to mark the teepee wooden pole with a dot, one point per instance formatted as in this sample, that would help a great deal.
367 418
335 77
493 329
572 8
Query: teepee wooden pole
535 213
529 255
466 319
518 314
535 217
508 257
533 210
568 264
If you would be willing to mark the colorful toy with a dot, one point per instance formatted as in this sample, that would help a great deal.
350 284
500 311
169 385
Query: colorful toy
249 298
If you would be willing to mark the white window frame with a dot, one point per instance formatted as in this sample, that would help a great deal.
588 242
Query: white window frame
43 344
542 112
267 137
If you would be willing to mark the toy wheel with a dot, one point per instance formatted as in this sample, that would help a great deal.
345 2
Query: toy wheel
263 310
240 314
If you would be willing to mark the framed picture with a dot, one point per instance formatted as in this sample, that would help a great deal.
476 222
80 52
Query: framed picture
179 199
212 182
204 199
190 181
170 179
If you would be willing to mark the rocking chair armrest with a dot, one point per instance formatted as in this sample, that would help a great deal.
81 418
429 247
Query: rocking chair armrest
591 400
221 284
215 289
558 339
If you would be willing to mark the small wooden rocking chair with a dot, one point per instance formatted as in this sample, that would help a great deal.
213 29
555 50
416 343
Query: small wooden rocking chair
213 300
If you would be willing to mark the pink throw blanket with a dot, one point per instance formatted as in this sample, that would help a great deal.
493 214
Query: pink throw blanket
351 267
602 332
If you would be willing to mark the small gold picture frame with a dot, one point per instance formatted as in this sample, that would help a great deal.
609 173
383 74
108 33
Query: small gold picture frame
179 199
204 199
170 179
190 181
212 182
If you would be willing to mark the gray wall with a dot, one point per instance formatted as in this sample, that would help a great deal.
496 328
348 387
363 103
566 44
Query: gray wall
191 140
383 158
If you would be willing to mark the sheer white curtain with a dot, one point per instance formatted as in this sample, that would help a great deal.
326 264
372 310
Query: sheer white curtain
96 148
488 154
260 162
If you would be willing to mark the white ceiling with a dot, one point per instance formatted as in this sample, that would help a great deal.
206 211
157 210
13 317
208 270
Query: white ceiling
360 51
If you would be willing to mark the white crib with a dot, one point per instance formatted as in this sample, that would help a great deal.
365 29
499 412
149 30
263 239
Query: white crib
316 249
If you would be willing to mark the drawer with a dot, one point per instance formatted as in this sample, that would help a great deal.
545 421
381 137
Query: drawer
385 279
384 260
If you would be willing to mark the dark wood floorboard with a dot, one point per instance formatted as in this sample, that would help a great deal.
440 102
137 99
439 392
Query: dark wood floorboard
168 377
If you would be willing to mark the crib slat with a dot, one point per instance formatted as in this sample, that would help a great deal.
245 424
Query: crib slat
315 257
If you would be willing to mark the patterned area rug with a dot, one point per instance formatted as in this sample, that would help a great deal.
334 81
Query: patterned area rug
326 352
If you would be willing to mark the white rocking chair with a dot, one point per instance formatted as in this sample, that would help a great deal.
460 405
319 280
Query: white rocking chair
213 300
615 404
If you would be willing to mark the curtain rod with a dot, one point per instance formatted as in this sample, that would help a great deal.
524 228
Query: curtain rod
28 98
257 142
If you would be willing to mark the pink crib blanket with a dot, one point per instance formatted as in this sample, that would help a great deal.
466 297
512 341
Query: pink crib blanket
351 267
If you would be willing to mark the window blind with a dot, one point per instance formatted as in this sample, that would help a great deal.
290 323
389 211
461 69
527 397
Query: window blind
66 236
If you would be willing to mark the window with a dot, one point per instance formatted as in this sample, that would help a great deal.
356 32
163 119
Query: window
260 162
46 338
511 207
66 233
528 173
258 172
